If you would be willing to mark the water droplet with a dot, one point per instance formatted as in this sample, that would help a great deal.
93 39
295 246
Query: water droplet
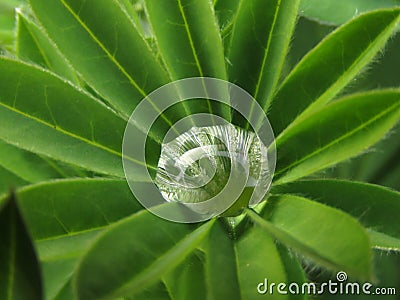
197 165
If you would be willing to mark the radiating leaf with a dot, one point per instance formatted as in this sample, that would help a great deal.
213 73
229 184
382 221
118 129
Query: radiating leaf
234 268
66 293
294 270
104 46
128 6
221 271
374 206
33 45
126 258
330 66
337 12
187 281
190 24
59 257
335 133
64 216
25 165
9 180
36 107
20 276
7 23
326 235
65 207
225 11
259 43
156 291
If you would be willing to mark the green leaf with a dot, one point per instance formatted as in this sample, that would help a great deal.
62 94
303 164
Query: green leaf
9 180
374 206
126 258
337 12
335 133
7 23
133 14
66 293
59 257
33 45
20 276
187 281
68 207
326 235
28 166
225 11
220 267
294 270
257 259
259 43
104 46
234 268
64 216
37 107
330 66
157 291
190 24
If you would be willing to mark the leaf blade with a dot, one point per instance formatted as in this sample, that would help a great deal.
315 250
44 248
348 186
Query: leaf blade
292 220
109 45
345 53
339 12
65 216
22 276
374 206
268 36
33 45
200 53
170 243
39 106
333 134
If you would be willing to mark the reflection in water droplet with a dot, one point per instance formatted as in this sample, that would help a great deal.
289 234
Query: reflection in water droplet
197 165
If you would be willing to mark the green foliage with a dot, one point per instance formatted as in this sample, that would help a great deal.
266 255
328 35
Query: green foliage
81 67
337 12
20 276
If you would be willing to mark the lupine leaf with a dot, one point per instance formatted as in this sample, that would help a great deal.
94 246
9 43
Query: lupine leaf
258 45
326 235
330 66
374 206
34 46
64 216
115 59
37 107
337 12
20 276
126 259
339 131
